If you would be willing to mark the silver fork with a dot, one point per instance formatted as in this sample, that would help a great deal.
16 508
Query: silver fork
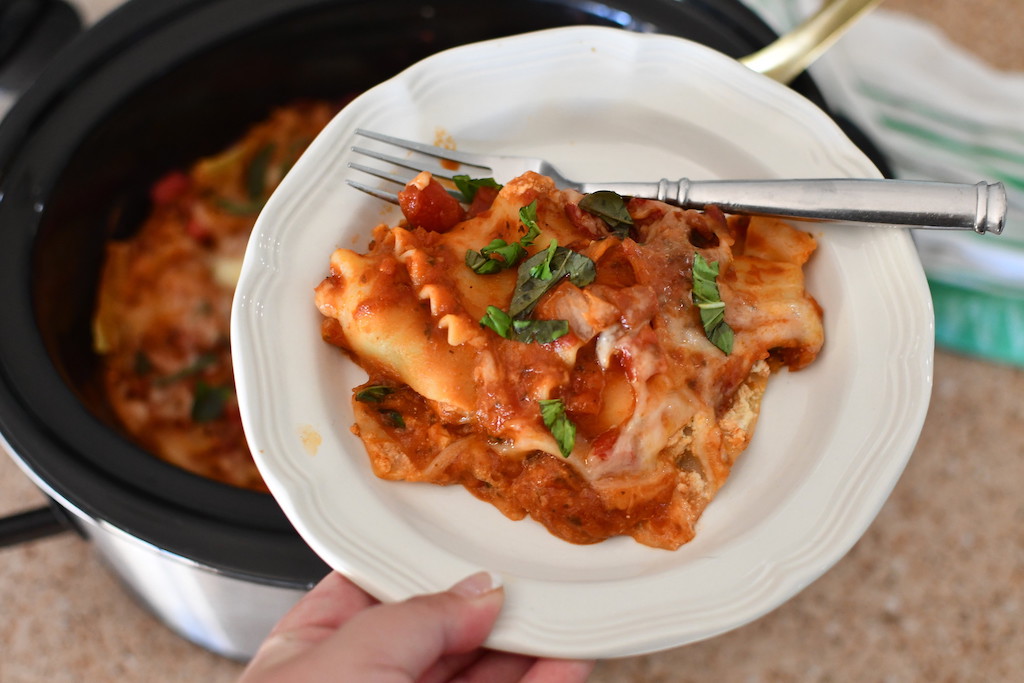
908 203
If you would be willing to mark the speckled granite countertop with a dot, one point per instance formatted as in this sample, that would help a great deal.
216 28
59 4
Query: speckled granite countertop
934 591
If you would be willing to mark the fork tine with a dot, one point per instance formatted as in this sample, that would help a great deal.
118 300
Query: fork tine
374 192
383 175
392 178
435 169
429 150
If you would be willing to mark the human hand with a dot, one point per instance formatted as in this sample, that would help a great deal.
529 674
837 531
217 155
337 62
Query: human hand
337 632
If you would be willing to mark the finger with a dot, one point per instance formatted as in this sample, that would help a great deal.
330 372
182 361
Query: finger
486 667
329 604
498 667
400 641
559 671
316 616
449 666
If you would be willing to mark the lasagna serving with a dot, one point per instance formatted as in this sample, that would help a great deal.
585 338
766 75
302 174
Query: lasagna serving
593 362
163 309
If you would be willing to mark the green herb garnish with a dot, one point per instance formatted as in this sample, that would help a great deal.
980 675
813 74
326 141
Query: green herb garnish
709 301
374 393
483 262
539 331
142 365
562 263
525 331
394 417
528 216
552 411
256 173
469 186
482 265
542 271
611 208
498 320
209 401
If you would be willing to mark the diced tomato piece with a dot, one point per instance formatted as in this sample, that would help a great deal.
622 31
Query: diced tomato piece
169 187
197 230
426 204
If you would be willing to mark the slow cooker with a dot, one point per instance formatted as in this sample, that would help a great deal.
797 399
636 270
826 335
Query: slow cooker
154 86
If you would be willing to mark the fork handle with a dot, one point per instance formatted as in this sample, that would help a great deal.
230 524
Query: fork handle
911 203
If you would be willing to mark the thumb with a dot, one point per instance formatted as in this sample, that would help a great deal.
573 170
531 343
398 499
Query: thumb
400 641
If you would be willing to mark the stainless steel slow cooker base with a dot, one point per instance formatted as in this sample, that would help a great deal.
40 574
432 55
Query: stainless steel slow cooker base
225 614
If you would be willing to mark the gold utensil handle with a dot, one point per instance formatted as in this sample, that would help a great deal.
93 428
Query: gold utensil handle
785 59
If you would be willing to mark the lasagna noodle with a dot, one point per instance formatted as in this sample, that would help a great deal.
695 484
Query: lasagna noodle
661 413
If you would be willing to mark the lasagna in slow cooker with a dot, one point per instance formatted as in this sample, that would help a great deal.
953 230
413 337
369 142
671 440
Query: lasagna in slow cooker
163 310
592 362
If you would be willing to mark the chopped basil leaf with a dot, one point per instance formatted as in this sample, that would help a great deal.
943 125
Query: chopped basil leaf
525 331
552 411
483 262
209 401
611 208
563 263
256 173
531 234
542 270
509 253
721 335
709 301
374 393
705 286
469 186
498 320
539 331
143 365
481 265
394 417
528 215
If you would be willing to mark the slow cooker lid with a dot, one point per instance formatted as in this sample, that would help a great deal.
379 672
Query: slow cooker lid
154 86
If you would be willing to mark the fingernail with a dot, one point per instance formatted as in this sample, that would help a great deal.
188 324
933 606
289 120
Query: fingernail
478 584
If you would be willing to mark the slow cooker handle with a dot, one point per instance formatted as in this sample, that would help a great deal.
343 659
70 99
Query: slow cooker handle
31 33
34 524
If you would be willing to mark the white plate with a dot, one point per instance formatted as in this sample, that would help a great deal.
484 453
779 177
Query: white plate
601 103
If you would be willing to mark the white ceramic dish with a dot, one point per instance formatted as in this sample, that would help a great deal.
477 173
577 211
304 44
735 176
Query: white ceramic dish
601 103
